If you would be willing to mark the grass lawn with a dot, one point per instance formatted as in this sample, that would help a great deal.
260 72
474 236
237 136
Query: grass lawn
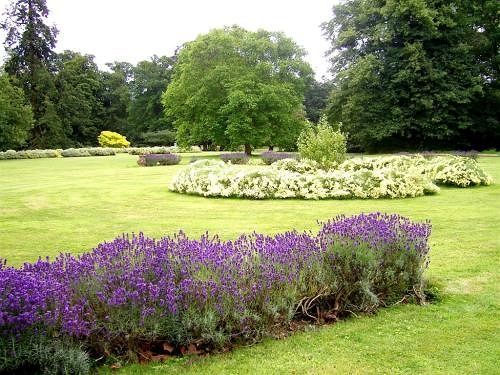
49 206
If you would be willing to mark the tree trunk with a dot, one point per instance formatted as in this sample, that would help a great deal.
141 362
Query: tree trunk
271 148
248 149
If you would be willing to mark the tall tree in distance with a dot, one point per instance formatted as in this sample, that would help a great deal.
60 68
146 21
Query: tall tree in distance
115 96
79 86
29 44
316 99
150 79
409 73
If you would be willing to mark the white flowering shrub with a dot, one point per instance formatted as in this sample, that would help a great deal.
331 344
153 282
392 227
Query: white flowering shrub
368 178
458 171
294 165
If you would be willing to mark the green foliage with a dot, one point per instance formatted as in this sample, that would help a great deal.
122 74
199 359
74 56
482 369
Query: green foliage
79 87
116 96
158 138
459 171
323 144
16 117
34 353
145 113
29 44
316 99
233 87
30 154
113 140
148 150
414 73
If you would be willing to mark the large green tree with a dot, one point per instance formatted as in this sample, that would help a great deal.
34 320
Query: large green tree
408 73
149 80
29 44
78 82
233 87
16 117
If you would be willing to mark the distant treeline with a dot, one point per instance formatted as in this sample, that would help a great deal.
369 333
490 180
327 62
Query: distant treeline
407 75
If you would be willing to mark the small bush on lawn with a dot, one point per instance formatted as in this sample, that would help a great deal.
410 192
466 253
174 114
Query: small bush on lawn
112 139
458 171
75 152
235 158
151 160
159 138
473 154
136 291
323 144
270 157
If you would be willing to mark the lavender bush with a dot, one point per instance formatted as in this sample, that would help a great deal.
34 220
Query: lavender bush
235 158
270 157
136 289
150 160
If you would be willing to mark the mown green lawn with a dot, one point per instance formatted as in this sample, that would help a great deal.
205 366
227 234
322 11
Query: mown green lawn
49 206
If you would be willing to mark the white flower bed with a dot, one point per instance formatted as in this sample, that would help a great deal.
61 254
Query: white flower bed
368 178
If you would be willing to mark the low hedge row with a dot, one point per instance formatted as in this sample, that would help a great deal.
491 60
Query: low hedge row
137 292
90 151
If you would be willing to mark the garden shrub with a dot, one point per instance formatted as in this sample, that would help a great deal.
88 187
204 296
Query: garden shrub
323 144
150 160
458 171
270 157
299 179
148 150
101 151
299 166
29 154
159 138
137 290
111 139
91 151
235 158
75 152
35 353
9 154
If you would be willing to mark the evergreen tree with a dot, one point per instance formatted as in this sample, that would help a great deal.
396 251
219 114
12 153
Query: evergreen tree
115 97
29 44
150 79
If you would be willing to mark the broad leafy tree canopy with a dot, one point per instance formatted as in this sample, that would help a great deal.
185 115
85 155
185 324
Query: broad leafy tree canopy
410 73
233 87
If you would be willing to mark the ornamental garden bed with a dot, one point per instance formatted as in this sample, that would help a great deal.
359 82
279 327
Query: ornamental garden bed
140 298
363 178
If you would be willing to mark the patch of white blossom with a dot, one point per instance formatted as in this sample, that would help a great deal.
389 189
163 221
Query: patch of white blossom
365 178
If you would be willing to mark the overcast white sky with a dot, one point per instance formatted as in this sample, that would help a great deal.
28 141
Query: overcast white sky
131 30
